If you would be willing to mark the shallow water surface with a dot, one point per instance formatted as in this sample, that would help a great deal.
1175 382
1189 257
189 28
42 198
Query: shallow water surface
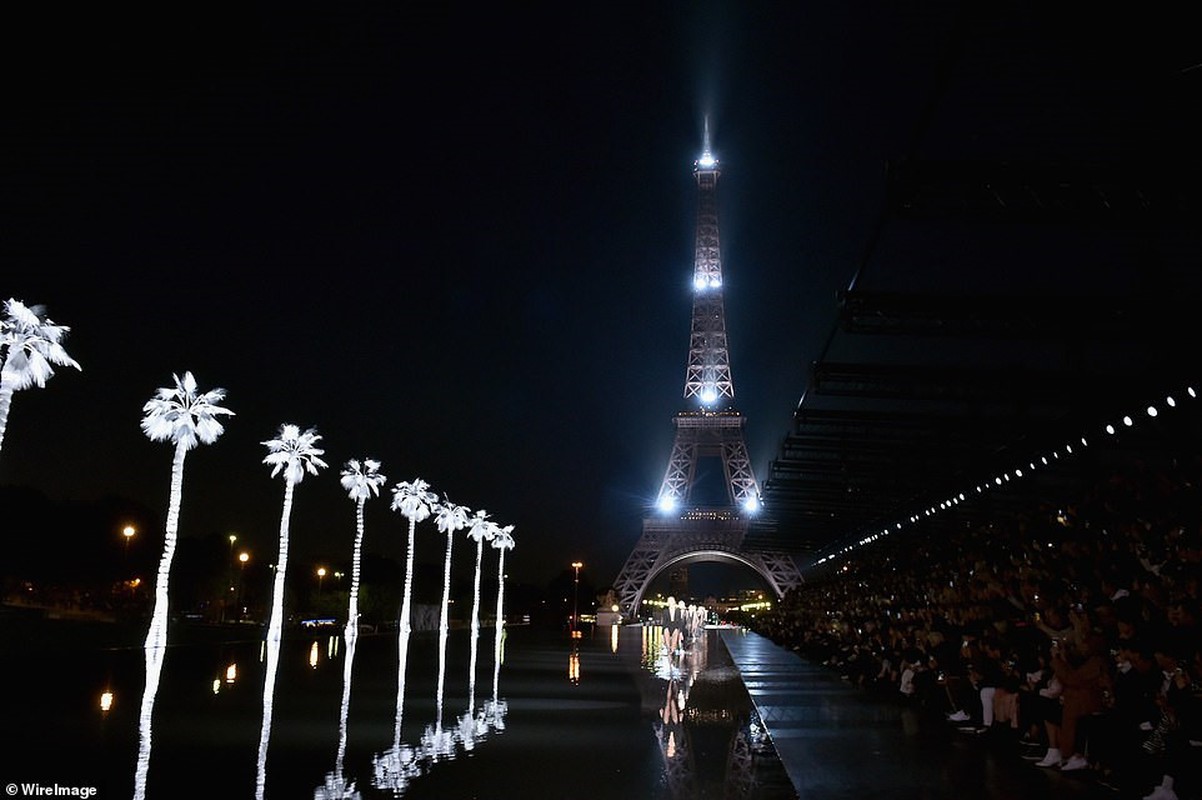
597 717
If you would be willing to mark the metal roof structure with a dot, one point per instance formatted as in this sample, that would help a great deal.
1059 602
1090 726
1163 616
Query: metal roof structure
1020 293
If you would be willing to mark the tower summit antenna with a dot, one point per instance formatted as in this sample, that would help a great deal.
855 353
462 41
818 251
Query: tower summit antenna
707 159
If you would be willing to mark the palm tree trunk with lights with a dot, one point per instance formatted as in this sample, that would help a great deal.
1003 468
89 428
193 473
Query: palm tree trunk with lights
6 399
450 518
350 633
275 627
481 528
361 479
186 417
500 630
292 453
414 500
156 636
502 540
405 629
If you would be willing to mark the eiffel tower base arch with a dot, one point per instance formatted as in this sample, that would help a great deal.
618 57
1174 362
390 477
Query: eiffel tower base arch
700 537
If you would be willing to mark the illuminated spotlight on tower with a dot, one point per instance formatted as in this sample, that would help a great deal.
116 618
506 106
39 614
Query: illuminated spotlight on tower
751 504
667 504
709 395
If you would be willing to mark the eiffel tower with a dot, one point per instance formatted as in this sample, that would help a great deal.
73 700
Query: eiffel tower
680 531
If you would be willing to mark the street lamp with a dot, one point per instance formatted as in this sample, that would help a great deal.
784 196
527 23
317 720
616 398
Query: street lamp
321 574
229 579
128 533
243 557
576 565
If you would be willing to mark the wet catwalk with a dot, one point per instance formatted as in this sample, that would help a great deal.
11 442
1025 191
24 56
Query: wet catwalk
839 742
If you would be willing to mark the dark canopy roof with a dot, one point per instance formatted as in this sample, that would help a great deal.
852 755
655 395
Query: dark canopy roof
1034 277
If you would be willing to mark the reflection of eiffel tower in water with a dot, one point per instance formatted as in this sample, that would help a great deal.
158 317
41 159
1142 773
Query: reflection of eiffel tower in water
703 723
688 529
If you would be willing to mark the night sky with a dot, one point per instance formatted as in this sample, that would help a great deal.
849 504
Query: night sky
458 238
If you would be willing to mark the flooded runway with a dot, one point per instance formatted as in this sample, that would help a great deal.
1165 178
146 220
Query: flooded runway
596 717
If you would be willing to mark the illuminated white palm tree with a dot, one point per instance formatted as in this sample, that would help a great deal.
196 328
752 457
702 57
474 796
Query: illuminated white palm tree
502 540
480 528
448 518
361 480
29 344
293 453
415 501
185 417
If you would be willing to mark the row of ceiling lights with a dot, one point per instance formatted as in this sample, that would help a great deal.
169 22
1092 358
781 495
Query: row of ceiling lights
998 480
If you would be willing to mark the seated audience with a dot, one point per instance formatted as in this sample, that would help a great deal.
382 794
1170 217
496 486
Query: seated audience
1071 628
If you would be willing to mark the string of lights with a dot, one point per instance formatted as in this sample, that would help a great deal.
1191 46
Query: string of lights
1039 461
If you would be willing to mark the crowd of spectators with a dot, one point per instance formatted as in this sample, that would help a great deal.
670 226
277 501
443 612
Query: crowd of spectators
1067 634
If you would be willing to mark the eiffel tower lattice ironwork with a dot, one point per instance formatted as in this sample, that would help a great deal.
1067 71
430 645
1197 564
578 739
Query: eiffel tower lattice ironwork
680 532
